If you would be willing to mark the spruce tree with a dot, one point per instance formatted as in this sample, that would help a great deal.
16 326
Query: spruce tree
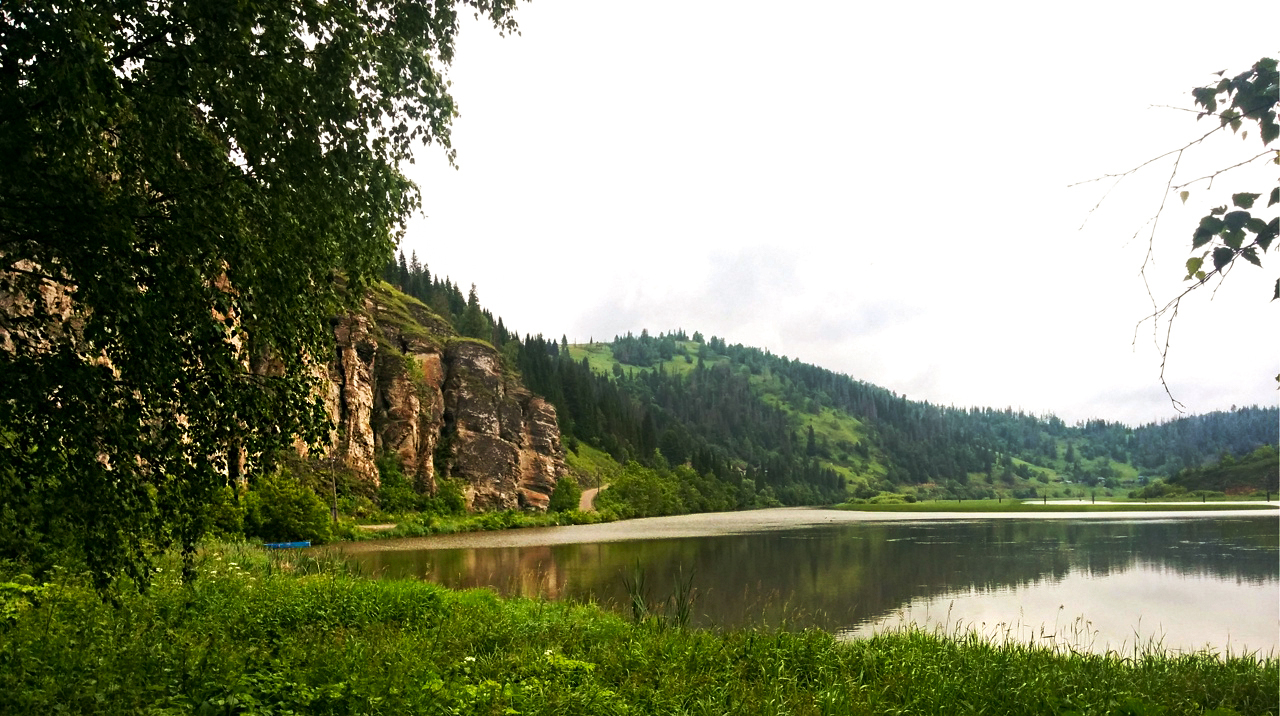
474 324
402 280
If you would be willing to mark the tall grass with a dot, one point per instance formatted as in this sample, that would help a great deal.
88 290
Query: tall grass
676 610
263 633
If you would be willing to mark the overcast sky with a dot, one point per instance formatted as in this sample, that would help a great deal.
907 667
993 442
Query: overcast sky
879 189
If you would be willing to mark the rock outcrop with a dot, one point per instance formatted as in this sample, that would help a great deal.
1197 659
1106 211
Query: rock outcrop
505 441
400 382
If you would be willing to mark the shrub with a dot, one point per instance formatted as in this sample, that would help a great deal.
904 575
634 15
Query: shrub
566 496
226 514
642 492
279 509
1159 488
395 494
448 500
889 498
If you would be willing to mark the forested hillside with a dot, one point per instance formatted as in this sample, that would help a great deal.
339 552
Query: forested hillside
809 434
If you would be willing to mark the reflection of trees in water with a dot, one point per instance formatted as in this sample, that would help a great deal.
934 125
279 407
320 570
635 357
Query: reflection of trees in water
836 575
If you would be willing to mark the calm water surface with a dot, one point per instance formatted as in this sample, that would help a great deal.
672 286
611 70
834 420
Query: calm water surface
1183 582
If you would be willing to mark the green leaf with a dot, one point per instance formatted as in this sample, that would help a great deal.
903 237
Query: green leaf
1206 97
1200 276
1216 211
1212 224
1222 256
1265 237
1244 200
1268 129
1236 220
1193 265
1275 197
1183 195
1233 238
1250 254
1201 237
1277 290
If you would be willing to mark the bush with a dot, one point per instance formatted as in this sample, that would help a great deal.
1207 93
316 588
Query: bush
226 514
566 496
358 506
1159 488
448 500
395 494
642 492
279 509
890 498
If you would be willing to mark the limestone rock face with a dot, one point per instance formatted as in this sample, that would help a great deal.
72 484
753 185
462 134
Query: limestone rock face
409 411
400 382
352 379
506 444
542 457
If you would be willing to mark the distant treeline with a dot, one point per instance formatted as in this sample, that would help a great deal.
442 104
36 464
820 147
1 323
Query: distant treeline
716 418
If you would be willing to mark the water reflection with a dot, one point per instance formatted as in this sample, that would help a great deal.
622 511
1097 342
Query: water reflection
854 577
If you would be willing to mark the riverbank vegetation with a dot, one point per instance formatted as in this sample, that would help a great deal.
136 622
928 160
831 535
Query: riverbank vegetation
273 633
1258 471
287 505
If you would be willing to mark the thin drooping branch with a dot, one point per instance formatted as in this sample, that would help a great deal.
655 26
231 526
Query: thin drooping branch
1146 261
1170 311
1121 176
1153 160
1224 170
1164 358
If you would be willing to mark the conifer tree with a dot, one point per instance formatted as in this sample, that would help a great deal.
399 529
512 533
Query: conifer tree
473 323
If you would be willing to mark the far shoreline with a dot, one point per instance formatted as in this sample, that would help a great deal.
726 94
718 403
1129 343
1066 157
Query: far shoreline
715 524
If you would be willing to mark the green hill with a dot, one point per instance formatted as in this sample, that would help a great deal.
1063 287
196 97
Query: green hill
1259 470
768 428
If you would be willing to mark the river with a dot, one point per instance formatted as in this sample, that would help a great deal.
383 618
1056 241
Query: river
1091 581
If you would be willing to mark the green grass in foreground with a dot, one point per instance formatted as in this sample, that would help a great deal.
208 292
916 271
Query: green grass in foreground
1031 507
260 635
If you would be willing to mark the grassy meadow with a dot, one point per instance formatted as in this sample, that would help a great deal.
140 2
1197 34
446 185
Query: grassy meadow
271 633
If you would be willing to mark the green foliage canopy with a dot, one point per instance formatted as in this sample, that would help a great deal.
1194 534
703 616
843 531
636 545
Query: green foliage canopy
185 190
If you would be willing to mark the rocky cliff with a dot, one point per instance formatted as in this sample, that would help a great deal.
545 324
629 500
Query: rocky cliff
401 381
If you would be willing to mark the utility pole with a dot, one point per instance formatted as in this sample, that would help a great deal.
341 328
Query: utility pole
333 484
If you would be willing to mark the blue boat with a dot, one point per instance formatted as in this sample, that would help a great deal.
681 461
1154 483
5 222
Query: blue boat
287 545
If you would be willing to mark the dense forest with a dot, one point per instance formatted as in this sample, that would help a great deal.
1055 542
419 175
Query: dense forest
808 434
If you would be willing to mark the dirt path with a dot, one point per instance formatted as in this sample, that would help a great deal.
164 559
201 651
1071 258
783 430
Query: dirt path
587 503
